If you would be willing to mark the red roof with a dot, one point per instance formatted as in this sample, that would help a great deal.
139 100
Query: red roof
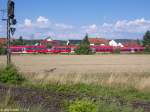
54 42
131 44
98 41
3 40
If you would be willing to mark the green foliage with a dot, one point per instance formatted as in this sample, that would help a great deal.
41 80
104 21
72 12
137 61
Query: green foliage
146 39
116 51
82 106
49 46
84 47
19 41
3 51
10 75
86 105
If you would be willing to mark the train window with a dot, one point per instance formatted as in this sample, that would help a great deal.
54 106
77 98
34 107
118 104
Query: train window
68 49
16 49
29 48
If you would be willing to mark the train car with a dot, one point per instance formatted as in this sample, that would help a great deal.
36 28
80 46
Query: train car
28 49
102 49
17 49
60 49
71 49
132 49
36 49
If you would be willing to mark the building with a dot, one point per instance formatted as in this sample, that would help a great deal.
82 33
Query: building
115 44
98 41
74 42
49 41
131 44
3 41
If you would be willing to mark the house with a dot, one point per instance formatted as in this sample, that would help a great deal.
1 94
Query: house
73 42
131 44
115 44
98 41
3 41
50 41
120 44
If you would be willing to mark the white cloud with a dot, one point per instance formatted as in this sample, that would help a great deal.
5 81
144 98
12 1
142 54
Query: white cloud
42 19
90 29
134 26
43 27
27 22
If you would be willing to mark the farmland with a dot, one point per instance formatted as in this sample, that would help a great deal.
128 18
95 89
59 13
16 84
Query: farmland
120 70
81 64
114 81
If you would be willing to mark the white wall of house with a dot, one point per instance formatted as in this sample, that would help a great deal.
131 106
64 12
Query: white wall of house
120 45
113 43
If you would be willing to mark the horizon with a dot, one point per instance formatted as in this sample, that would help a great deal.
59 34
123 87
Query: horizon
73 19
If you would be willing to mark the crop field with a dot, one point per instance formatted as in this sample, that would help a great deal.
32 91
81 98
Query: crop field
122 70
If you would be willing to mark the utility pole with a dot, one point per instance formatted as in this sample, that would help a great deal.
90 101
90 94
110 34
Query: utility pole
10 27
8 40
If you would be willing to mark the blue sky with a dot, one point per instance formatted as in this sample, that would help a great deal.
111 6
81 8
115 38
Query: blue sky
65 19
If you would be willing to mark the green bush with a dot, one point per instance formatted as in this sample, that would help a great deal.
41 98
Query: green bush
3 51
82 106
84 49
10 75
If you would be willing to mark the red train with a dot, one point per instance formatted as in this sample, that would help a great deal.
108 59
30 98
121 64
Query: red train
28 49
70 49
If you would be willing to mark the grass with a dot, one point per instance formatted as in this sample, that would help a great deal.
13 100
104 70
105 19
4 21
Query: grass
126 94
114 87
139 81
88 105
7 104
85 104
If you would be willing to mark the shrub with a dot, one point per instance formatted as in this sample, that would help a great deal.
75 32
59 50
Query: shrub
10 75
82 106
84 49
3 51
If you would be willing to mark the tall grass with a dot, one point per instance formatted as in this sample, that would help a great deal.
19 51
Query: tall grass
140 81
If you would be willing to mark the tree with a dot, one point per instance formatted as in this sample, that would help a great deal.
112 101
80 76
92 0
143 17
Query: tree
138 42
146 41
84 47
19 41
49 46
3 50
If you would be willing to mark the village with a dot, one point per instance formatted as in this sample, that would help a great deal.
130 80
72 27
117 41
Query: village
49 45
74 56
